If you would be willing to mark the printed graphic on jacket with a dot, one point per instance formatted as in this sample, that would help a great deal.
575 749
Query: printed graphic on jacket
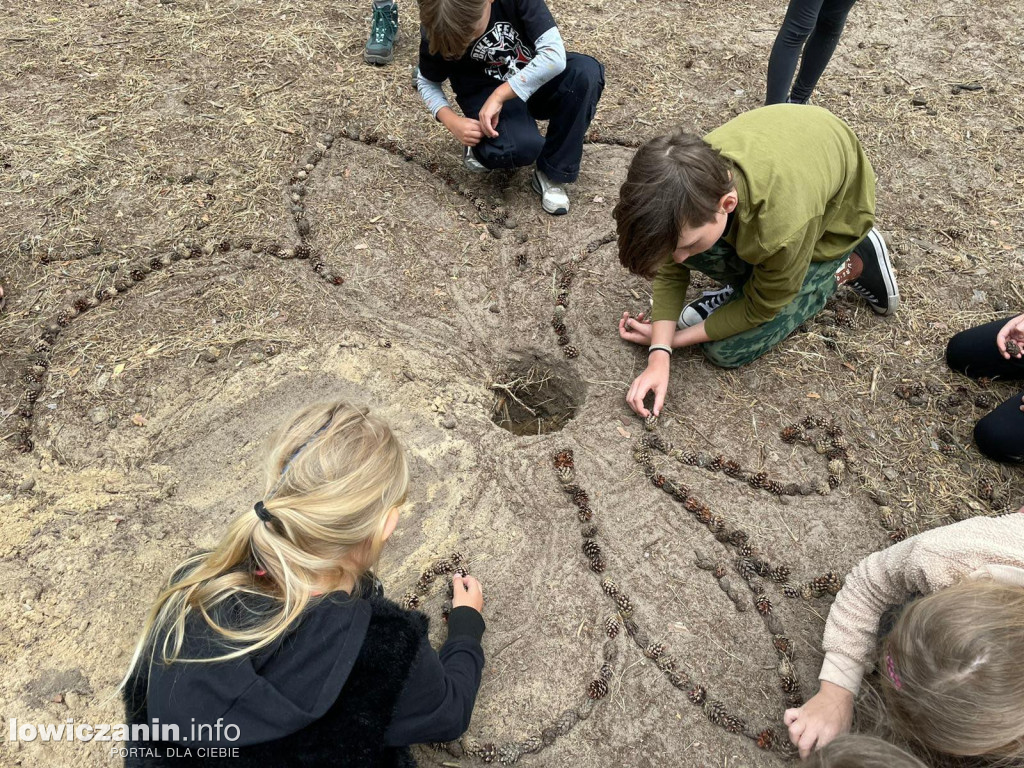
502 52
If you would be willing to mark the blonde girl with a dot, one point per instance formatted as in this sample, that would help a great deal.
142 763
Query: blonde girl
952 668
278 644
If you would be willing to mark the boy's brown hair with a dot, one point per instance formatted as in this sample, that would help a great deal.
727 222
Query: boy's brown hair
674 181
449 24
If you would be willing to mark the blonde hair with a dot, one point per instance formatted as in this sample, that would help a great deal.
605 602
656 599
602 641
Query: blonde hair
450 23
860 751
952 672
334 473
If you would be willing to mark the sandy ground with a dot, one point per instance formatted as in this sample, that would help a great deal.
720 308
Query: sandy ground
129 130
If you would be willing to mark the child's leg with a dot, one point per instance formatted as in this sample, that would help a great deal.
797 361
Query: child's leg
380 46
801 17
974 353
818 287
820 47
518 142
1000 434
569 101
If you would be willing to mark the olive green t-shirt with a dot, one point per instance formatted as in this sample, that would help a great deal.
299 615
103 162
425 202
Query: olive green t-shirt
806 193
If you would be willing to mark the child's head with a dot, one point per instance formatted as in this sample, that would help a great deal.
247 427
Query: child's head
675 202
335 479
859 751
952 672
451 25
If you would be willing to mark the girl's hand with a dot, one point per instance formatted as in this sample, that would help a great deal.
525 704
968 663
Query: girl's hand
467 591
828 714
1013 330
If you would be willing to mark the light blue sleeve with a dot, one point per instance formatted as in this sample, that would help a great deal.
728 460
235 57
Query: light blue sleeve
548 62
432 93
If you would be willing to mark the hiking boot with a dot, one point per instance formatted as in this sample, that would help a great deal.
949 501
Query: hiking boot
380 47
877 282
698 311
553 197
471 164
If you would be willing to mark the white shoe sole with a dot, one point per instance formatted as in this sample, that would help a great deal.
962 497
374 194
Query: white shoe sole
888 277
554 210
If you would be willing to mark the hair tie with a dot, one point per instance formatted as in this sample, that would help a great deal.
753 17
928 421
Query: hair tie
261 512
890 668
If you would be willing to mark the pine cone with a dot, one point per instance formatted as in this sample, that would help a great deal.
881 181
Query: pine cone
809 422
733 724
509 754
738 537
715 711
763 605
780 574
591 548
697 694
443 566
654 651
766 739
564 460
566 721
689 458
776 488
410 600
584 514
732 469
597 689
531 744
606 672
746 568
783 645
624 603
692 504
549 735
658 481
487 752
571 353
651 423
985 490
759 480
716 524
716 463
597 564
610 587
791 434
303 251
611 626
746 550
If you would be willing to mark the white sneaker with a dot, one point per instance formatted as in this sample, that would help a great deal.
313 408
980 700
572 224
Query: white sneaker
698 311
553 197
471 164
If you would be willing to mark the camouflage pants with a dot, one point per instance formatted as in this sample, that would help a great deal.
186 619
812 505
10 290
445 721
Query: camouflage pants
721 263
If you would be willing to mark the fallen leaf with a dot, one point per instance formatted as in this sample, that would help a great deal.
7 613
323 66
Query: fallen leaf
361 247
118 370
814 395
623 432
139 420
850 367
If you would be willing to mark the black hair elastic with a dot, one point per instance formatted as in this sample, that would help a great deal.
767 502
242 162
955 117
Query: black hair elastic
262 514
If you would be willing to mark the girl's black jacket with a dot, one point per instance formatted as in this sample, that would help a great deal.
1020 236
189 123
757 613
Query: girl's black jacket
353 684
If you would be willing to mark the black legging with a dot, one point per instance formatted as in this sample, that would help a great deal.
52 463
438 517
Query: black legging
823 21
1000 434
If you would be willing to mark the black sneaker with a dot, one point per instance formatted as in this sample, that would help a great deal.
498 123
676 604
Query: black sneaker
877 282
696 312
380 47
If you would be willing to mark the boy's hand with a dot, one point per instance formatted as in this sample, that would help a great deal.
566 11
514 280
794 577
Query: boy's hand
466 591
635 329
653 379
828 714
491 109
1013 330
466 130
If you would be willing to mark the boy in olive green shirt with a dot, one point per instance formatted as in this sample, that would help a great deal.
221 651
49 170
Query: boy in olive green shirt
777 205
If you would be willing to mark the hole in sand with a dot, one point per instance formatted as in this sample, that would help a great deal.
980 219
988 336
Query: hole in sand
535 394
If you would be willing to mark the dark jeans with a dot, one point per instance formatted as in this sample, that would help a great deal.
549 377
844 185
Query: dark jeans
819 23
568 101
1000 434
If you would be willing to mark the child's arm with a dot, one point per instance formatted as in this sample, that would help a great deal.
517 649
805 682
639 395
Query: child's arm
547 63
433 70
439 694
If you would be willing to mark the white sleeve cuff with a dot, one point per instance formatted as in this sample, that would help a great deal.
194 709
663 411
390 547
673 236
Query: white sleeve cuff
842 671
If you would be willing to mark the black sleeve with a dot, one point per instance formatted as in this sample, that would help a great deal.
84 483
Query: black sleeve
437 700
433 66
536 18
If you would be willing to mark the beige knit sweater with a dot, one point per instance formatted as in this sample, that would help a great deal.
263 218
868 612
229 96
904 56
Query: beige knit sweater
981 547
